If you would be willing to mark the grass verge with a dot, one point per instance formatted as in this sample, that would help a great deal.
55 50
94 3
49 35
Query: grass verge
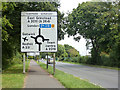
97 66
68 80
13 77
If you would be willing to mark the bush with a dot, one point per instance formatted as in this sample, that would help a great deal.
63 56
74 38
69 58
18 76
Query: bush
71 59
66 59
30 57
105 59
74 59
84 59
115 55
17 59
61 58
109 60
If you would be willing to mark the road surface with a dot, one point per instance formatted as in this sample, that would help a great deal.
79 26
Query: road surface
103 77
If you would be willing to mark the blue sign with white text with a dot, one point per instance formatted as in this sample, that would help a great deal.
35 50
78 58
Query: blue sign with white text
45 25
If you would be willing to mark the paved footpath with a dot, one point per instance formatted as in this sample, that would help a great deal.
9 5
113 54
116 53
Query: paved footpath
39 78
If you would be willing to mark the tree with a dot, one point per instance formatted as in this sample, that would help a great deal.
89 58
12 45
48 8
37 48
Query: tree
71 51
7 46
11 24
110 39
61 51
89 20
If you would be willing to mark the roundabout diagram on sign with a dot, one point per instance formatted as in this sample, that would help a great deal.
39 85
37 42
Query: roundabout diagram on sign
39 39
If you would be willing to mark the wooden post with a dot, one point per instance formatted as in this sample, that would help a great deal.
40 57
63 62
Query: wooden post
47 60
24 63
39 57
54 64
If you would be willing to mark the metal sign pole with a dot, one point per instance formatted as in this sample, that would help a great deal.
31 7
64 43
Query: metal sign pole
24 63
47 60
54 64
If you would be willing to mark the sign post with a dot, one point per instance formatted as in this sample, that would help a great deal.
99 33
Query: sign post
39 31
54 64
47 60
24 63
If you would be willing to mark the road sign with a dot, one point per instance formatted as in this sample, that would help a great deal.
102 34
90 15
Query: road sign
39 31
33 54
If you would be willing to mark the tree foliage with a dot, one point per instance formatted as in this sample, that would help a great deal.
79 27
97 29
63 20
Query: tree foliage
98 22
71 51
61 51
11 24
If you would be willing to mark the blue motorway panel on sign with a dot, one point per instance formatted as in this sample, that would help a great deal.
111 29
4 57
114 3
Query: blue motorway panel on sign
45 25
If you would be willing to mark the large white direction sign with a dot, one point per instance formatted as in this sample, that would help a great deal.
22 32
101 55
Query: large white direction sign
38 31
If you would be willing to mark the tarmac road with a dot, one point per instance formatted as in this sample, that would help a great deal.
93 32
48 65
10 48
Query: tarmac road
106 78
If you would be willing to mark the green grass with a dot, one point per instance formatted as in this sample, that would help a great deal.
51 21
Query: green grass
13 76
68 80
97 66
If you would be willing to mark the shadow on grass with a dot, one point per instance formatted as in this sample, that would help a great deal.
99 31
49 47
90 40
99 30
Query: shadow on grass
13 71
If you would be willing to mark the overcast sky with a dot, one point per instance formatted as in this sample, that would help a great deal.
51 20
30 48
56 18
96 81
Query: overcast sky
68 5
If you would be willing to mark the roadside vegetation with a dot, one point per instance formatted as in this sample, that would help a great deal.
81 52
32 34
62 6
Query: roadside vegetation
13 77
98 23
69 54
11 27
97 66
68 80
